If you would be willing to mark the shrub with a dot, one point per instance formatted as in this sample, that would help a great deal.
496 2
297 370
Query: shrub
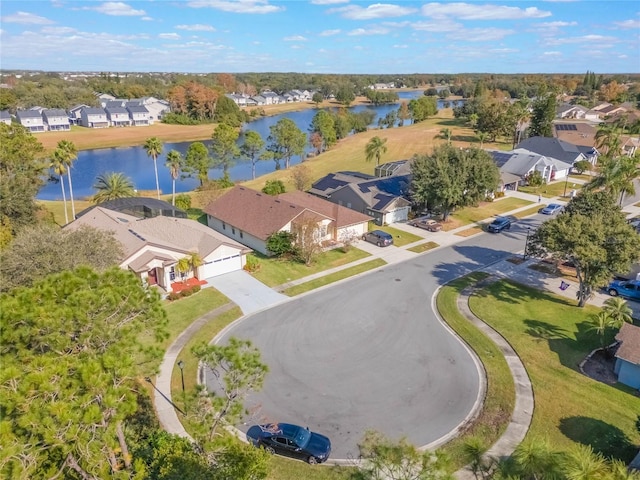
498 194
273 187
252 265
183 201
173 296
281 243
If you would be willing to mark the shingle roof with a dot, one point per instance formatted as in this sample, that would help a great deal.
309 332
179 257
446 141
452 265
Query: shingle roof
551 148
93 111
137 109
114 110
28 114
342 216
139 207
334 181
629 349
55 112
253 212
5 114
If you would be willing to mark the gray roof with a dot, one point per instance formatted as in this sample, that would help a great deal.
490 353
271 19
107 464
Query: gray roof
55 112
137 109
112 110
114 103
552 148
142 207
5 114
28 114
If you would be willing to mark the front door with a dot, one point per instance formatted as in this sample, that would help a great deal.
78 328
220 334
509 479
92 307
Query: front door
152 277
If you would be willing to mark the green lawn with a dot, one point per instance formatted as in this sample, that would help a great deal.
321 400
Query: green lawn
485 210
555 189
551 335
334 277
275 271
500 396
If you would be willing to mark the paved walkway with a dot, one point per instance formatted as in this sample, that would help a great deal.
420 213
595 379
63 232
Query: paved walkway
252 296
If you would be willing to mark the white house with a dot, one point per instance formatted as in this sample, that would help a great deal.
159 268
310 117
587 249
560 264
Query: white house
56 119
118 116
139 115
32 120
92 117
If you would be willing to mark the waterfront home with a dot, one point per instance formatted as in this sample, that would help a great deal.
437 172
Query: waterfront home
139 115
92 117
118 116
32 120
56 120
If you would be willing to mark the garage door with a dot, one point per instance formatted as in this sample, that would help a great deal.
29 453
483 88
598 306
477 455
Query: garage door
220 266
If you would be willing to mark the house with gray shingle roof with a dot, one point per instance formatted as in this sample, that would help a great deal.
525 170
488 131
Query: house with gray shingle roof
118 116
92 117
251 217
5 117
31 120
522 163
56 119
139 115
152 247
385 199
627 366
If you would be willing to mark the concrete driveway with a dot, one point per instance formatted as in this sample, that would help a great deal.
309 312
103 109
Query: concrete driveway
249 294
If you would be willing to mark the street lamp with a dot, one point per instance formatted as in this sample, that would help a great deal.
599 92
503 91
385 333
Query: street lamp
526 244
565 184
181 367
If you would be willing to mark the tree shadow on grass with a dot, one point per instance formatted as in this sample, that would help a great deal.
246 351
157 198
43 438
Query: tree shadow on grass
602 437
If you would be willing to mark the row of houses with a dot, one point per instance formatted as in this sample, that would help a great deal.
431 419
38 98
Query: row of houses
598 113
113 112
270 98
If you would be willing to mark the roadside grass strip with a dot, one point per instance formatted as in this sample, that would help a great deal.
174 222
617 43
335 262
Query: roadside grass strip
499 400
484 210
468 232
551 335
423 247
400 237
333 277
550 190
526 213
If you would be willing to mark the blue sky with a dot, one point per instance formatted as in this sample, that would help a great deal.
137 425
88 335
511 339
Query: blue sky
321 36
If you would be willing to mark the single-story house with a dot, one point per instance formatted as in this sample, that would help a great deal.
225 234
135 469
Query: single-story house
31 119
384 199
139 115
566 110
251 217
5 117
389 169
627 366
153 246
56 119
91 117
141 207
554 148
522 163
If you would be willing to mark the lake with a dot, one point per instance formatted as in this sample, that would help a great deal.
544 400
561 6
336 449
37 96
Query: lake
135 164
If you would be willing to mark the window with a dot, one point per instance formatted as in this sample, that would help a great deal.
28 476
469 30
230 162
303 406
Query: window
241 235
233 231
224 226
172 274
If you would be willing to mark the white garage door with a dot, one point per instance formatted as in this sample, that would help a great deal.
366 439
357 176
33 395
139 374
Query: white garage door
220 266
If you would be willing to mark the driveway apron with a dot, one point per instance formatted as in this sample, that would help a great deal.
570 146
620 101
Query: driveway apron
249 294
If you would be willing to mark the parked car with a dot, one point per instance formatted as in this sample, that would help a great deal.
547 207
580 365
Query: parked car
378 237
291 440
426 223
625 288
551 209
499 224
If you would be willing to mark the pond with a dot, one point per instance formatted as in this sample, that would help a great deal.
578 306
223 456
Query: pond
138 166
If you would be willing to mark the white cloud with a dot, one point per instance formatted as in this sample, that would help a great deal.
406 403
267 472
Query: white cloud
169 36
328 33
377 10
440 26
295 38
198 27
146 19
467 11
599 40
25 18
480 34
117 9
628 24
552 54
239 6
58 30
296 47
328 2
368 31
558 24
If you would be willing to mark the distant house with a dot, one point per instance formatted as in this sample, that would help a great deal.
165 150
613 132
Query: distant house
384 199
118 116
139 115
271 98
75 114
141 207
5 117
627 365
399 167
157 108
566 111
251 217
238 99
152 247
56 119
92 117
113 103
32 120
259 100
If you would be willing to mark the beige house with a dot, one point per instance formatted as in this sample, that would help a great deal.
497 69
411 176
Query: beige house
153 246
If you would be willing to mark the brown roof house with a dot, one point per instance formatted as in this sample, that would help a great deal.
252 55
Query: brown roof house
251 217
627 365
153 246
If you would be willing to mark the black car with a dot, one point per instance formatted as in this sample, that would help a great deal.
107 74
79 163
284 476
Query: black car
380 238
291 440
499 224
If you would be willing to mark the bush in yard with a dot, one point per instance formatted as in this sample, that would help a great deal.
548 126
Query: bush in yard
582 166
281 243
183 202
173 296
252 265
273 187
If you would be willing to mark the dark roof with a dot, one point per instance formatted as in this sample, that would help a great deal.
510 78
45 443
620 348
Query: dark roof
333 181
93 111
55 112
28 114
5 114
142 207
397 185
552 148
114 103
137 109
500 157
117 110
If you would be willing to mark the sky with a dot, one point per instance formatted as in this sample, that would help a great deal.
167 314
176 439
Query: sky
321 36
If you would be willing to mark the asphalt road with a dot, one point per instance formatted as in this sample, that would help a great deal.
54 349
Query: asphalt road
369 353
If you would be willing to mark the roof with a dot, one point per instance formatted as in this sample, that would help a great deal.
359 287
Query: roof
137 109
629 338
140 207
333 181
399 167
253 212
580 134
112 110
93 111
179 236
5 114
55 112
552 148
114 103
342 216
28 114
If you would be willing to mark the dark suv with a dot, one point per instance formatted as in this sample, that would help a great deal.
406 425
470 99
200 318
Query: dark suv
380 238
499 224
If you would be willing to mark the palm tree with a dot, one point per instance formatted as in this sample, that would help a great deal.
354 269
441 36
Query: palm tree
174 164
473 451
375 148
583 463
536 459
153 147
482 136
59 167
68 154
599 323
190 262
618 311
446 134
112 186
617 176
